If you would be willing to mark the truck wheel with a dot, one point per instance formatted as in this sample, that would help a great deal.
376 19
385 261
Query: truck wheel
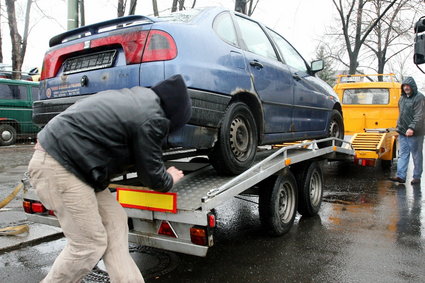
278 204
7 134
310 189
235 150
335 129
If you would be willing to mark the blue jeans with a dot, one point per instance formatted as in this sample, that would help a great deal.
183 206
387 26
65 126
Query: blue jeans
410 145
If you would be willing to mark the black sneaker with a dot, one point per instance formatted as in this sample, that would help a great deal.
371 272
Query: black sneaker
398 179
415 181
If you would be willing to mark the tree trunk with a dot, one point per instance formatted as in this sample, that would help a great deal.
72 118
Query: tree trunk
82 13
121 8
174 6
133 4
155 8
1 39
16 40
240 6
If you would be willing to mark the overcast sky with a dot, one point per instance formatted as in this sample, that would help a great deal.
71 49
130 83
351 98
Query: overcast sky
302 22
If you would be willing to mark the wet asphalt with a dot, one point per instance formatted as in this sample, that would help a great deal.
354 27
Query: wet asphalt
368 230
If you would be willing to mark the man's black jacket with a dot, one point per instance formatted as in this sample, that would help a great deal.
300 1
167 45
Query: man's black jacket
102 135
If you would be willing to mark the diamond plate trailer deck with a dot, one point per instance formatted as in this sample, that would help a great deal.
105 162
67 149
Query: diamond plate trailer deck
190 228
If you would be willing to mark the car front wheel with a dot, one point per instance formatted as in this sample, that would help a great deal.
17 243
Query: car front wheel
235 150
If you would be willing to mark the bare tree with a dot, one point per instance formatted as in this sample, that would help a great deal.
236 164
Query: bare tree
355 30
392 35
19 43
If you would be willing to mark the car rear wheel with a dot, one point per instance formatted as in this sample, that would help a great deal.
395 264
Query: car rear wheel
7 134
235 150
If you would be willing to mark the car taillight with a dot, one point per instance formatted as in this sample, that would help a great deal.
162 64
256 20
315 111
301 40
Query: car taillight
160 46
199 236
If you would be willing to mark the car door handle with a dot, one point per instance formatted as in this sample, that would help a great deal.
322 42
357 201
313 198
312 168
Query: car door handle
256 64
296 77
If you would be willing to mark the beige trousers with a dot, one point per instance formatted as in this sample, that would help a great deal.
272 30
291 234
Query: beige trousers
94 224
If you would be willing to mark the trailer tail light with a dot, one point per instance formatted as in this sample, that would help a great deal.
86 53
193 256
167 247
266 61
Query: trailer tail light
211 220
166 229
199 236
365 162
31 206
160 46
37 207
27 206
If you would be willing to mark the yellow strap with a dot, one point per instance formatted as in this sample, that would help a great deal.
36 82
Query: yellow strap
15 230
12 195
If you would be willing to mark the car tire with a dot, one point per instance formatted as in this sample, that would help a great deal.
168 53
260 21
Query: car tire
8 134
278 204
236 147
335 129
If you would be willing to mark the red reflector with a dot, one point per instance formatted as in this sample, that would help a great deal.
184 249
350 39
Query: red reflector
199 236
27 206
211 220
51 212
37 207
166 229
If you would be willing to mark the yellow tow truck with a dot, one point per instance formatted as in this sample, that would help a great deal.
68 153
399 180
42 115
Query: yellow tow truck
370 107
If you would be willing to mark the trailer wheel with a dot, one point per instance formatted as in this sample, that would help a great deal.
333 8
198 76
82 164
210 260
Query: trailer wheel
236 147
310 188
7 134
278 204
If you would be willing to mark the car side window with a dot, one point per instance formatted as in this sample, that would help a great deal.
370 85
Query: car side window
290 55
223 26
13 92
255 39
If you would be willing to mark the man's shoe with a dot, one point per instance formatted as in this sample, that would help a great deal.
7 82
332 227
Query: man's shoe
397 179
415 181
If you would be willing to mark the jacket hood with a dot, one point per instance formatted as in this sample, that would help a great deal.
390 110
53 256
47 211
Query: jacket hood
409 81
175 101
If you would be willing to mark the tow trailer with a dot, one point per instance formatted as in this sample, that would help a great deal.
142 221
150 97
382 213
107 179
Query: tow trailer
183 220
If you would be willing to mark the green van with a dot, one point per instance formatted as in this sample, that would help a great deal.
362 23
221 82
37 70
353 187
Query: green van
16 98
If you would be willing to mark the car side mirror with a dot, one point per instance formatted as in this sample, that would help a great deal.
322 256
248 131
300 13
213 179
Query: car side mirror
317 65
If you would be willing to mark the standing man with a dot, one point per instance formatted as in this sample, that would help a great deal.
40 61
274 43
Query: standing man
410 126
81 149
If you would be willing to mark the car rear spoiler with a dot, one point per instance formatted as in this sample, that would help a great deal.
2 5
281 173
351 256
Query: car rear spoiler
94 28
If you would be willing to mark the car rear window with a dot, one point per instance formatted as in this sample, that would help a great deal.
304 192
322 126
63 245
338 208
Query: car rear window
366 96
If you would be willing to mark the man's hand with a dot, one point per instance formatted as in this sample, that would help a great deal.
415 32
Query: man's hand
409 132
175 173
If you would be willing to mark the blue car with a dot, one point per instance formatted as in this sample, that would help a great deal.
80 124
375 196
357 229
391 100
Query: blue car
248 85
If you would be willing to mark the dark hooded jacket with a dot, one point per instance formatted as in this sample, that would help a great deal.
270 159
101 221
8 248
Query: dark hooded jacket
103 135
411 109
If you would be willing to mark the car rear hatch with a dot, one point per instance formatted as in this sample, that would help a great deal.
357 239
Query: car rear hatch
101 56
